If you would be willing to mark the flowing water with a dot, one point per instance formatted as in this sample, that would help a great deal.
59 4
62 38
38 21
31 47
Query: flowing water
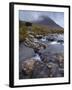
52 47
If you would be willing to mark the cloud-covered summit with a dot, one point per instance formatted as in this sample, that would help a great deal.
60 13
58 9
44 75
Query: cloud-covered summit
57 17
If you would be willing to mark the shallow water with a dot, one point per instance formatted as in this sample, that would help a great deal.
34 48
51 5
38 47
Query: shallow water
45 58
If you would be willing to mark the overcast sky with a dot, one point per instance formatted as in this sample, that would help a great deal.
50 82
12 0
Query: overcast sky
58 17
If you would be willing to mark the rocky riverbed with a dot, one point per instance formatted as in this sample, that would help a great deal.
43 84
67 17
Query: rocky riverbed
42 57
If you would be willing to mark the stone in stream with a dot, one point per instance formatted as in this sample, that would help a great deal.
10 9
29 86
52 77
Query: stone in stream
60 60
31 68
61 71
34 43
52 57
38 36
27 66
60 41
55 63
54 69
47 57
40 70
52 37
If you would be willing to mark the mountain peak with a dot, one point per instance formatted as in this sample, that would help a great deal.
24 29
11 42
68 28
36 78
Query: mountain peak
45 20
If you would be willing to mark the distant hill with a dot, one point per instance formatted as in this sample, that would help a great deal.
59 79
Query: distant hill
43 26
45 20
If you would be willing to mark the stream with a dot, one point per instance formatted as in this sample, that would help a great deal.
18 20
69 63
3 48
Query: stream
42 63
54 46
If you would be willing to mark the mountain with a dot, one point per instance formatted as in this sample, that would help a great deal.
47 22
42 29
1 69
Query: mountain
47 21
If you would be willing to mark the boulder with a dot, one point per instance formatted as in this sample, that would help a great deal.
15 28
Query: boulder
38 36
53 69
55 63
61 71
51 65
34 43
27 66
40 70
60 41
31 68
51 37
52 57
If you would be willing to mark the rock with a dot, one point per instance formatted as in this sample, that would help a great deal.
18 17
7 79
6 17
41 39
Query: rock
31 68
40 70
60 60
61 71
60 41
51 66
52 57
38 36
54 62
54 69
27 66
52 37
43 39
34 43
47 57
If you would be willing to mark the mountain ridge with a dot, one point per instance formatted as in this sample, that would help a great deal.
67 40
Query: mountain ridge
45 21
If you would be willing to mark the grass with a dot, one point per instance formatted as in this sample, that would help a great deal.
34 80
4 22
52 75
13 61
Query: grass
36 29
23 33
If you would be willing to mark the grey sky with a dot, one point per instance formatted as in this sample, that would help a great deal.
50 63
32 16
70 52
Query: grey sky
58 17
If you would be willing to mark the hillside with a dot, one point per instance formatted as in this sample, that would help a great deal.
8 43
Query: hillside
43 26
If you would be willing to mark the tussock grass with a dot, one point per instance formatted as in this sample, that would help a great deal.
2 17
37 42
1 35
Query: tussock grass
37 30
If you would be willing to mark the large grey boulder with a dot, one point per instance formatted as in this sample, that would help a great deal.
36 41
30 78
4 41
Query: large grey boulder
40 70
31 68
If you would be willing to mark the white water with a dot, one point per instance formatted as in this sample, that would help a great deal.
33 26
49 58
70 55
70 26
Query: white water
60 37
36 57
54 42
43 39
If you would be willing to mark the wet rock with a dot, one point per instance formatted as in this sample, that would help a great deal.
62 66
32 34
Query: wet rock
48 57
61 71
40 70
60 60
34 43
54 61
54 69
27 66
52 57
23 75
51 66
52 37
38 36
31 68
60 41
